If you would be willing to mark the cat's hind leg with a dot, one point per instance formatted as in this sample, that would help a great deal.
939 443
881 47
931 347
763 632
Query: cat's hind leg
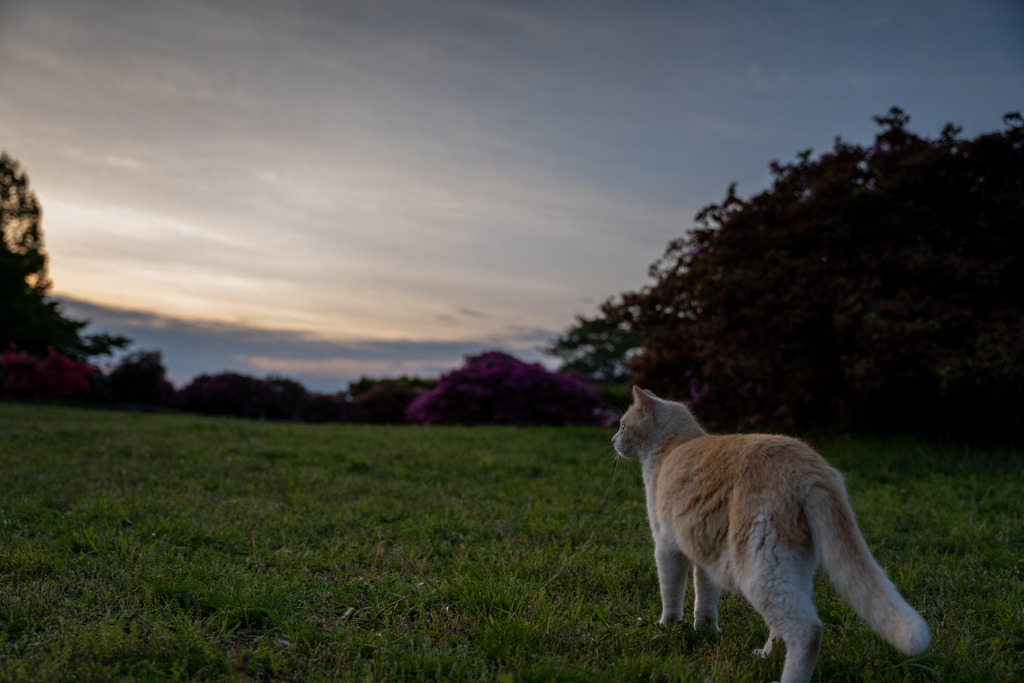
705 601
673 568
766 651
780 586
801 634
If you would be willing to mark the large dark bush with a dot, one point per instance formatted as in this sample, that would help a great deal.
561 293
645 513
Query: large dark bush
385 402
230 393
878 285
140 378
364 384
496 388
315 407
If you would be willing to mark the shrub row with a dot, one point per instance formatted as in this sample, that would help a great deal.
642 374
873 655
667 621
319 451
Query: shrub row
492 388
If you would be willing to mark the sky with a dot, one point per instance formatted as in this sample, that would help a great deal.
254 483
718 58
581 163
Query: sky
330 189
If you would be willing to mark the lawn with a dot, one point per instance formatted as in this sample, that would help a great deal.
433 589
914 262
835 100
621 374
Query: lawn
175 547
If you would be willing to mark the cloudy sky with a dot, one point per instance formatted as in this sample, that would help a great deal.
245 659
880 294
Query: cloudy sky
326 189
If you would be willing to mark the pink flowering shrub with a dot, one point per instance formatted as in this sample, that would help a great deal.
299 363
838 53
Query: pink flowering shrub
496 388
54 377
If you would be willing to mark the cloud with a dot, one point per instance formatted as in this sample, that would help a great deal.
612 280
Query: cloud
191 348
123 162
337 179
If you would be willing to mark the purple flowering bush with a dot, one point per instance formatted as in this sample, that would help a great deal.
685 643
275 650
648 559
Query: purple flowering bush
496 388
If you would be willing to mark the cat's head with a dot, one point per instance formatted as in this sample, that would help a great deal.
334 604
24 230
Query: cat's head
650 422
637 425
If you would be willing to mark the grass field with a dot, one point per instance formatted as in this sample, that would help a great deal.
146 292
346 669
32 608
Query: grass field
168 547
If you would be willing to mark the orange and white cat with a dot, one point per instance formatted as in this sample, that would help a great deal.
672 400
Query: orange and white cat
755 514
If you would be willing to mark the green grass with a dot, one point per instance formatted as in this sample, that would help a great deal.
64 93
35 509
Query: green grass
173 547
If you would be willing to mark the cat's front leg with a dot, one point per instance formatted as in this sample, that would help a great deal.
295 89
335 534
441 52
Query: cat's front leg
672 575
705 601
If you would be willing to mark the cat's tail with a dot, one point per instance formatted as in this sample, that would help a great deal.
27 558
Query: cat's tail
855 573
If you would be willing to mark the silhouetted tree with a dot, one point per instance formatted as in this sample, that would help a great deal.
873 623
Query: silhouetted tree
231 393
28 321
386 401
316 407
365 384
140 378
882 284
600 348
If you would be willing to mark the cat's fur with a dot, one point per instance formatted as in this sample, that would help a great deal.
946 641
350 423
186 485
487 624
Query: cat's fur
754 514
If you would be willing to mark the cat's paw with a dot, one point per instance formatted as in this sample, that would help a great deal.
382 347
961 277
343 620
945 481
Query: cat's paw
707 624
766 651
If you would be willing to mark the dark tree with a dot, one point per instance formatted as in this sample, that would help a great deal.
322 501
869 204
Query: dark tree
600 348
385 402
231 393
28 321
316 407
140 378
365 384
883 285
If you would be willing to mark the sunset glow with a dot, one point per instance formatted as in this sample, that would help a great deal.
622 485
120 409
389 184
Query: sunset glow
460 176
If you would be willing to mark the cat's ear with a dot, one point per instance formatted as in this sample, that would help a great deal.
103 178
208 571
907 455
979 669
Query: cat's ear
644 399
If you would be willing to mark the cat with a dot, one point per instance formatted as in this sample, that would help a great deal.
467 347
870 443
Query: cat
754 514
